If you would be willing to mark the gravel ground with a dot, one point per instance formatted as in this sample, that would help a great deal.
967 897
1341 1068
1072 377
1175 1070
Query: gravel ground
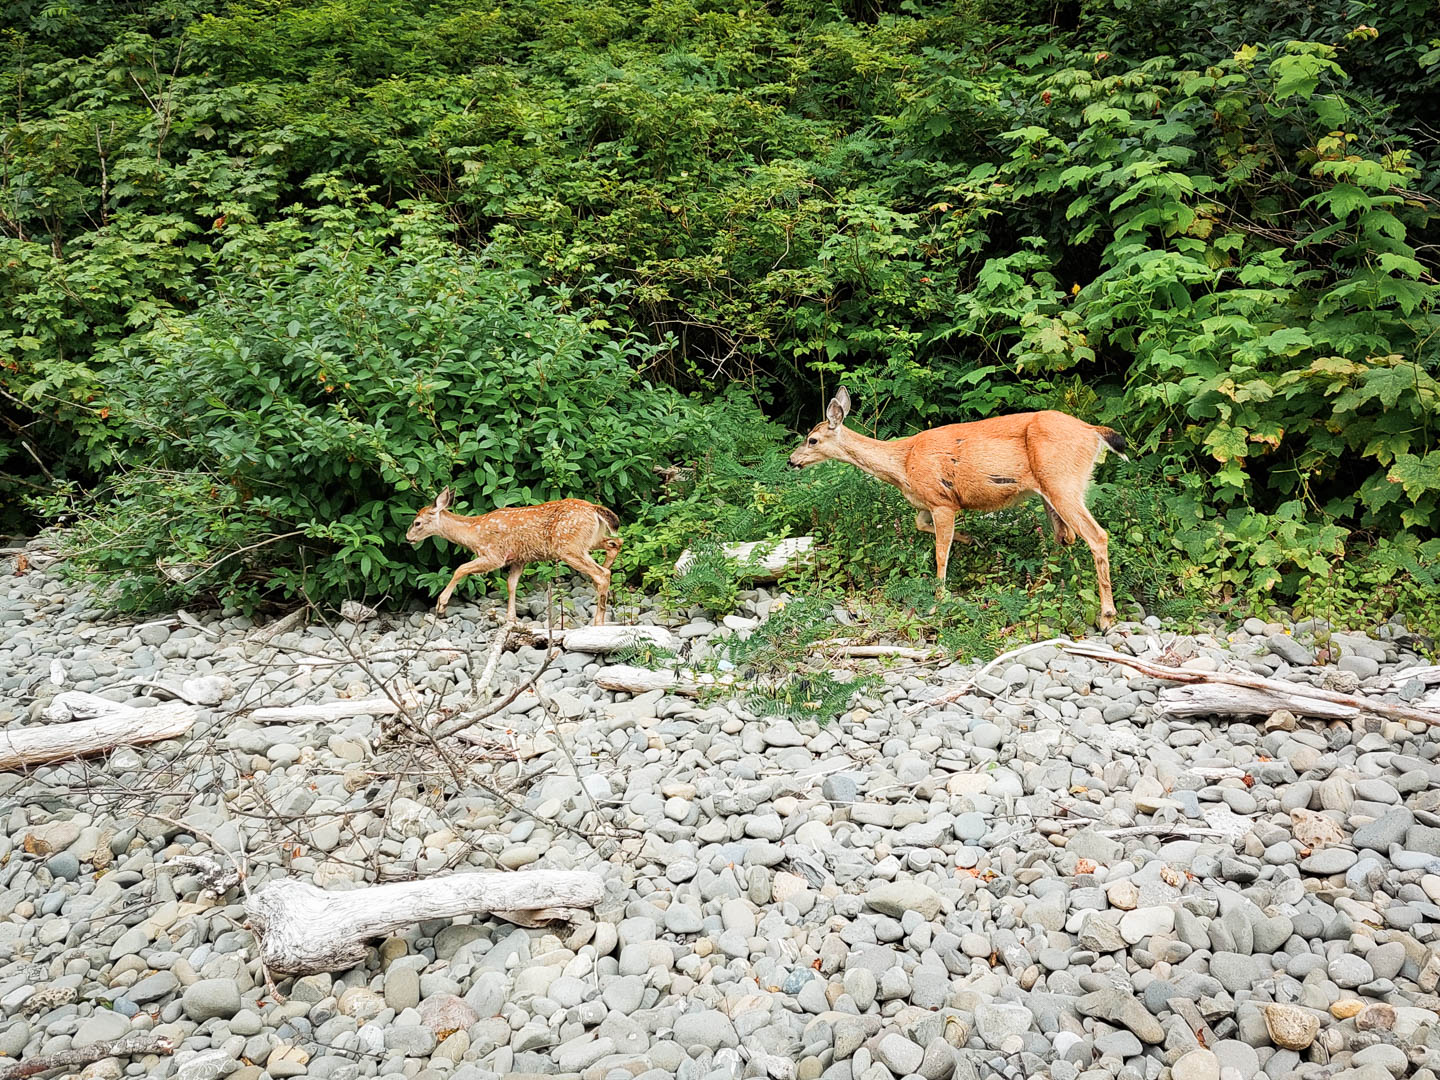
1041 878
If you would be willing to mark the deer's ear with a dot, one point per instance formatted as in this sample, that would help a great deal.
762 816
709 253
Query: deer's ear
839 408
444 499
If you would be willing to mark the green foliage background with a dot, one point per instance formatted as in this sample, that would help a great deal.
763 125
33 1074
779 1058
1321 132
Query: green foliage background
273 270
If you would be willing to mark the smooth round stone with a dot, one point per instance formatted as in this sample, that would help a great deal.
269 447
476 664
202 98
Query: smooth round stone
1330 860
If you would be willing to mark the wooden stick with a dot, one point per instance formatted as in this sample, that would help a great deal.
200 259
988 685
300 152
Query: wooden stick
325 710
1297 697
80 1056
303 930
26 746
970 683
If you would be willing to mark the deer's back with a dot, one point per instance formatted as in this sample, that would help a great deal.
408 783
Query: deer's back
536 533
986 464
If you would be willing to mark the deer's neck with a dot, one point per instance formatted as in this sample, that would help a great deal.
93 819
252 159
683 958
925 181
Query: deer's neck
883 459
457 528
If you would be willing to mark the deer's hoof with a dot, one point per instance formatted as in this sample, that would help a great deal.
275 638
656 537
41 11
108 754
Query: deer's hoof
1106 620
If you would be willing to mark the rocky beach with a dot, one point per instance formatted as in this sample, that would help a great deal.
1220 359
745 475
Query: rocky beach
1048 876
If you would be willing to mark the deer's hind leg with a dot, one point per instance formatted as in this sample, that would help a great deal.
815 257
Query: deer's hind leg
612 546
598 575
1063 533
925 522
1074 513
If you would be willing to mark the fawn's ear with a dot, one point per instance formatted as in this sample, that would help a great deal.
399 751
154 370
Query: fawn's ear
444 499
839 407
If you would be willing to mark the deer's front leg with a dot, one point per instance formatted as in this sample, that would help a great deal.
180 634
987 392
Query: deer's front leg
474 566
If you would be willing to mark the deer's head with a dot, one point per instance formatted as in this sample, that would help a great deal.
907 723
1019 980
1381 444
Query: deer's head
427 521
823 442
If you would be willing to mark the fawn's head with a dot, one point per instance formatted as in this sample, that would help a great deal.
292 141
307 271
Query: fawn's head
427 521
823 442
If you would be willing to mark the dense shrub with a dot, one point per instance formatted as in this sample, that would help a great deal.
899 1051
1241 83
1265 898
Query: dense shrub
1211 225
283 435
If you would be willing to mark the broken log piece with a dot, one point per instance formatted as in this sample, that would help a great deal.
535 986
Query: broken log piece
80 1056
1219 699
322 711
875 652
638 680
771 558
1302 699
303 930
21 747
603 640
78 705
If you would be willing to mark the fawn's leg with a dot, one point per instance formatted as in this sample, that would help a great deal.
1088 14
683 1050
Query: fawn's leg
474 566
512 578
612 546
599 577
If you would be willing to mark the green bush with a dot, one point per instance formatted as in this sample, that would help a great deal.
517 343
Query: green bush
282 437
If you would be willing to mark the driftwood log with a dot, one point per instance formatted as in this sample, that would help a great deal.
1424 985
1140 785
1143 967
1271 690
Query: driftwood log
303 930
1226 693
602 640
638 680
763 560
95 732
875 652
80 1056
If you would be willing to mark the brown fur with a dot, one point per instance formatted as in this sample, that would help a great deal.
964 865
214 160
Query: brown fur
984 466
567 530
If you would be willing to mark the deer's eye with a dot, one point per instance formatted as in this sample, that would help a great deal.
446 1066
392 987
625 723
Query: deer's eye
814 441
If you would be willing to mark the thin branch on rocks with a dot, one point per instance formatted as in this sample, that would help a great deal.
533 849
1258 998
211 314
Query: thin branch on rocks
1251 694
972 683
80 1056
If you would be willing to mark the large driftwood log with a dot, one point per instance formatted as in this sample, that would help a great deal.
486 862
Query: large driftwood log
79 1056
638 680
320 712
120 725
1229 693
603 640
771 557
304 930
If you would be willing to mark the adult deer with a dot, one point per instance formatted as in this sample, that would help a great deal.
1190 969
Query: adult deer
984 466
567 530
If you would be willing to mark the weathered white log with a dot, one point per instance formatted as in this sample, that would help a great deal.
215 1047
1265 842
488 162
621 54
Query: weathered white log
303 930
771 557
77 1056
875 652
1219 699
122 726
1428 676
1266 695
603 640
638 680
320 712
